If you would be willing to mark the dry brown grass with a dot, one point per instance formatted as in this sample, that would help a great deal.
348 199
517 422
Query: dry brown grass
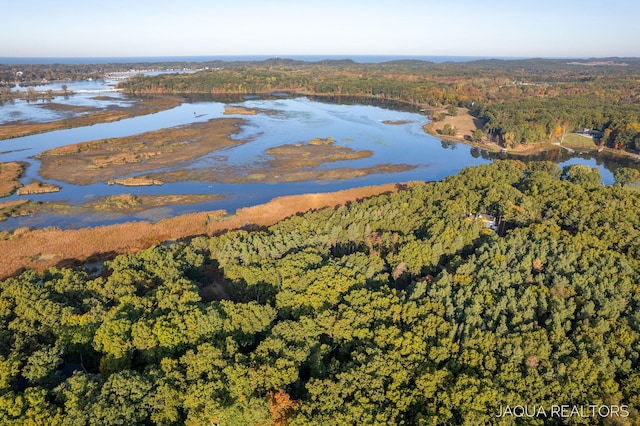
464 122
9 177
9 208
106 159
43 248
283 207
231 109
135 181
38 187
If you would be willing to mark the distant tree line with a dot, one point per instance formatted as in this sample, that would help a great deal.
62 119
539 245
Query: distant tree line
530 120
520 102
33 74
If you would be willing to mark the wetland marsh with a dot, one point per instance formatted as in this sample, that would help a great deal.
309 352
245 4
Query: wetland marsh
209 154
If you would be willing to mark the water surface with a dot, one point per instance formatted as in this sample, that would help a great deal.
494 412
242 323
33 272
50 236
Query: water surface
282 120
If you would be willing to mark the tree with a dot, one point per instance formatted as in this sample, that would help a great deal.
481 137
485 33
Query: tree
560 130
396 309
626 176
281 407
477 135
41 365
123 399
448 130
31 93
587 177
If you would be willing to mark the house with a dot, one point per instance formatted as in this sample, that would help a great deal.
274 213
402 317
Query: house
486 219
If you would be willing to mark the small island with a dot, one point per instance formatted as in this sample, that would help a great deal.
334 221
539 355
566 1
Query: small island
38 187
239 110
135 181
113 159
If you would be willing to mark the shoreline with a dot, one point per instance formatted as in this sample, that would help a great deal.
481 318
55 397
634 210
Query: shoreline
432 128
141 107
41 249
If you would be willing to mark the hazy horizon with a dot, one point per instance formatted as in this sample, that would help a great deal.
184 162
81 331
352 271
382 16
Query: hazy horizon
44 60
161 28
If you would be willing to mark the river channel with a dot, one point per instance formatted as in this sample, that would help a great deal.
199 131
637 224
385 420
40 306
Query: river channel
394 137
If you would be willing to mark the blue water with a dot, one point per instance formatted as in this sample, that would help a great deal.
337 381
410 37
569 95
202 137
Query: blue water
288 121
90 94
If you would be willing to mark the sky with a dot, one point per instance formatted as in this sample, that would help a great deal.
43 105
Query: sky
494 28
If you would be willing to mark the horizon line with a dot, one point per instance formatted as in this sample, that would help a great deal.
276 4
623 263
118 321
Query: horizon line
379 58
285 56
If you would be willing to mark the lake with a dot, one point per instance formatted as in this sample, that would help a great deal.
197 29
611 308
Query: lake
282 120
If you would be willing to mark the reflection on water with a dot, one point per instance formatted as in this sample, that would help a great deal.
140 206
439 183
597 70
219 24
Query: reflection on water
86 95
354 123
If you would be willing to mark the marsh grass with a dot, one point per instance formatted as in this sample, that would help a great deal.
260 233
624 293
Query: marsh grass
238 110
25 248
13 208
110 159
38 187
10 174
136 181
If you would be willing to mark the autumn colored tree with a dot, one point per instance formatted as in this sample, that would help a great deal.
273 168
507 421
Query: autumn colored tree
281 407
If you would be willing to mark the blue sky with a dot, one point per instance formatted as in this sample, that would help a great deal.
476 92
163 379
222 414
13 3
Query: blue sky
501 28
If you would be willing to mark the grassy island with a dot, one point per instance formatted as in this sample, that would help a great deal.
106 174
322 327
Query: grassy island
10 174
38 187
109 159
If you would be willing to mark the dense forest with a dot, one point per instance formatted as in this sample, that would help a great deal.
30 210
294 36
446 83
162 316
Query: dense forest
519 101
401 309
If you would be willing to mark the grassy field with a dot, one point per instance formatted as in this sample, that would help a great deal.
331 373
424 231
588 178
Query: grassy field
575 141
466 124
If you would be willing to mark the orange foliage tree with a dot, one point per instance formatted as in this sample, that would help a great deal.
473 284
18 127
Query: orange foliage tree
281 407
